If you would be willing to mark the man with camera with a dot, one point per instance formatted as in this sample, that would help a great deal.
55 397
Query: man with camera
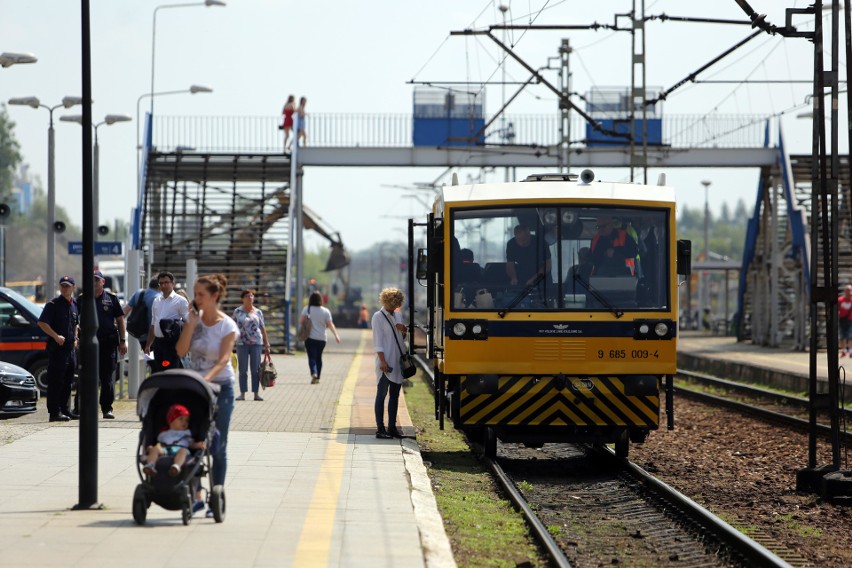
168 313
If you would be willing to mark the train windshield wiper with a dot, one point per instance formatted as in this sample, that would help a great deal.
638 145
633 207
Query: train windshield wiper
597 296
521 295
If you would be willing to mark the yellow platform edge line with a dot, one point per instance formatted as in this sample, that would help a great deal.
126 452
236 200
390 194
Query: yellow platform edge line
315 539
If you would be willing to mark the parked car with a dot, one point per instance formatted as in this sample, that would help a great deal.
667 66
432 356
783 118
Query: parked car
18 391
22 342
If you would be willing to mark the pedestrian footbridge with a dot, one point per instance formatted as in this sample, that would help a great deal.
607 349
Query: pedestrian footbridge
218 190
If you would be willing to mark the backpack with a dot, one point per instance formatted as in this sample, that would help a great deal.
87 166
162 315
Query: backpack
137 321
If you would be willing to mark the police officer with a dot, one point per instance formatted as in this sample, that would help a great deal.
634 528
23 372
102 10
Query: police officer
110 337
60 320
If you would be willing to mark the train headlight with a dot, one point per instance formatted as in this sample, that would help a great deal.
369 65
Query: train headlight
653 330
550 217
569 217
459 329
476 329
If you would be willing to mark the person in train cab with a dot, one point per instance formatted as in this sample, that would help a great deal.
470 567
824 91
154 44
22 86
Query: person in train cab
613 249
468 275
844 320
577 280
526 259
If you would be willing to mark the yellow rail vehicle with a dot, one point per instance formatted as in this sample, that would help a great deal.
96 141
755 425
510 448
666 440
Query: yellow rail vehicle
552 308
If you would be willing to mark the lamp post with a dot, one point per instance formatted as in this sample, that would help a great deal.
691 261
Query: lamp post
193 89
206 3
8 58
109 120
34 102
705 281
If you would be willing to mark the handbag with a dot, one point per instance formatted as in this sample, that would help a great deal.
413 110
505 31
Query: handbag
406 363
268 373
305 327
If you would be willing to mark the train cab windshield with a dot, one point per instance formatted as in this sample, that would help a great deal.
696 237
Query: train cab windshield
560 258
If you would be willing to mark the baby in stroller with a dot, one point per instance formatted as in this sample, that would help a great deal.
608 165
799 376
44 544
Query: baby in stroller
177 408
175 441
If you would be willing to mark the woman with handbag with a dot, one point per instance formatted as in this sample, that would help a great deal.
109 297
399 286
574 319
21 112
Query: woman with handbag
320 320
252 339
388 340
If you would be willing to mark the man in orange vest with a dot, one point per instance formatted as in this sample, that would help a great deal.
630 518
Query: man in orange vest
613 249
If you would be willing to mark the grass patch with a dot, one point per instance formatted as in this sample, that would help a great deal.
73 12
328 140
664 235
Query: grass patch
800 529
483 527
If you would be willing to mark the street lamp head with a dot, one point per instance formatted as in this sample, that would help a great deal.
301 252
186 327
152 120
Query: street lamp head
7 59
72 118
200 89
113 118
706 183
213 3
25 101
68 102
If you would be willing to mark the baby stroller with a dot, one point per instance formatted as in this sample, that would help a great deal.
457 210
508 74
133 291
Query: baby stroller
156 394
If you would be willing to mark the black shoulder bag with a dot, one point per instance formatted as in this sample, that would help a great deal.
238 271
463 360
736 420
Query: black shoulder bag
406 364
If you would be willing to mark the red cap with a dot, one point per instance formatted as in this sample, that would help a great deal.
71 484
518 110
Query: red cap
176 411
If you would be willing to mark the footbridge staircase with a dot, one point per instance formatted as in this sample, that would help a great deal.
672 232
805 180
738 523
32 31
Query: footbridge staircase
774 301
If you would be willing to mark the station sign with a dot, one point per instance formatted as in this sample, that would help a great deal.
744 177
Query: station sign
101 247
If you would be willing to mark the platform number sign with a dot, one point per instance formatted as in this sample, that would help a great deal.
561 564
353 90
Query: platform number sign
101 247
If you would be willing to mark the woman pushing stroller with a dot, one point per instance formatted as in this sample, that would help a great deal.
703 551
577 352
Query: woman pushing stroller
209 338
200 401
176 441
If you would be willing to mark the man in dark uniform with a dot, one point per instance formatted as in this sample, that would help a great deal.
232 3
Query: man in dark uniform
59 320
110 337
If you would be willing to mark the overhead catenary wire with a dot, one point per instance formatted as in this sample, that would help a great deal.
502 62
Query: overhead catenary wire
533 16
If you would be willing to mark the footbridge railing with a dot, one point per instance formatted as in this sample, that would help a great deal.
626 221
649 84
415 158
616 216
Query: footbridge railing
260 134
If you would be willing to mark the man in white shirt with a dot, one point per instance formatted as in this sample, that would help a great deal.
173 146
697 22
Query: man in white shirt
168 313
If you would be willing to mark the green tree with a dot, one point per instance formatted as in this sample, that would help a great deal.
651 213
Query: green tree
10 153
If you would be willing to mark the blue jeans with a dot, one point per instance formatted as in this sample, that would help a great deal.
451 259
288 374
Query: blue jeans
225 403
314 348
249 355
387 386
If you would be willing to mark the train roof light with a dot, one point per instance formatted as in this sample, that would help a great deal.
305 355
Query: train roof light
551 177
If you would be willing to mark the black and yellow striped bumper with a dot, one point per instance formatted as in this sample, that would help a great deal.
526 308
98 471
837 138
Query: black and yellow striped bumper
600 401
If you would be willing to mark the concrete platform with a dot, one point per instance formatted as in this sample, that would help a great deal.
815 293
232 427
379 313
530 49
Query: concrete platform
725 357
308 485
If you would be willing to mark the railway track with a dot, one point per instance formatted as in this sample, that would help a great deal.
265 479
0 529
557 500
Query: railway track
762 403
584 492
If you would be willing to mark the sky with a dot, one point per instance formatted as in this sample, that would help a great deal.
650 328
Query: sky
358 57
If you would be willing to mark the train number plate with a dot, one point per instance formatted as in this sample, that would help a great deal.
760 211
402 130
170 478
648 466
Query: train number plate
635 354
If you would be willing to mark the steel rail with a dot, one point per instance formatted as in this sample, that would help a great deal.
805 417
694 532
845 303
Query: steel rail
756 411
746 548
751 551
538 529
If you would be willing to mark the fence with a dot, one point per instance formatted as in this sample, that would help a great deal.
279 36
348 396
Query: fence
260 134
